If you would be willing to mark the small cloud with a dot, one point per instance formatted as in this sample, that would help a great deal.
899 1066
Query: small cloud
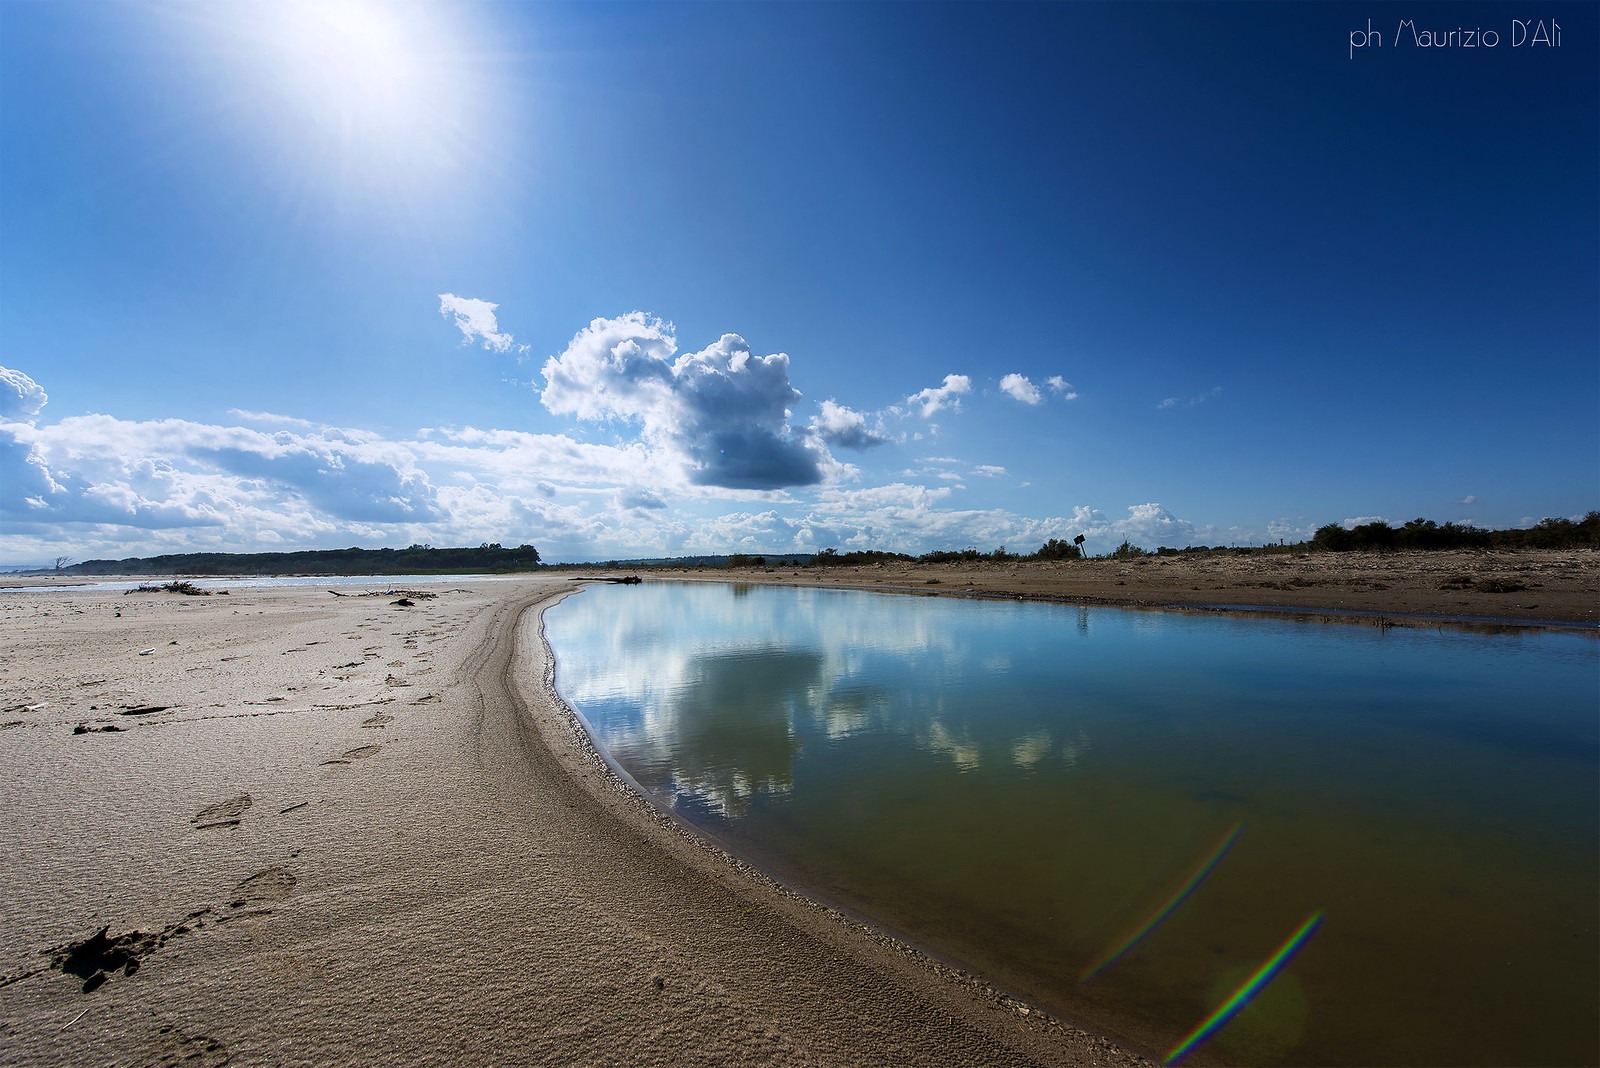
839 425
988 471
1362 520
937 398
1061 387
271 417
1189 402
476 321
1018 388
1471 498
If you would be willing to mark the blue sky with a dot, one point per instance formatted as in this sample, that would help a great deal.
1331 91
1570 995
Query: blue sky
624 280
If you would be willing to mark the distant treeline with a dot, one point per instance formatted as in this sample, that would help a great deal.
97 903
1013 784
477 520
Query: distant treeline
415 560
1419 534
1054 549
1426 534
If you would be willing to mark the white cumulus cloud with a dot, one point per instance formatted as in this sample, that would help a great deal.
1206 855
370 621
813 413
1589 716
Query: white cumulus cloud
937 398
21 398
839 425
1017 387
720 415
476 321
26 484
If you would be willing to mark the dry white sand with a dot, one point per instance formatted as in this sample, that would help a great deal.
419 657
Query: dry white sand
336 830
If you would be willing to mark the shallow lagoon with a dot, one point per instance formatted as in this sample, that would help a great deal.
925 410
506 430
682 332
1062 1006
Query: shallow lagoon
1028 789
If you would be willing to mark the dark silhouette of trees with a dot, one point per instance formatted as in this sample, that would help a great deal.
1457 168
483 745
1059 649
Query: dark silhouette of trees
1425 534
1058 549
412 560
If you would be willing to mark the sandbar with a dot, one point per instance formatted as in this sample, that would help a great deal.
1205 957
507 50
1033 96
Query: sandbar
282 827
278 826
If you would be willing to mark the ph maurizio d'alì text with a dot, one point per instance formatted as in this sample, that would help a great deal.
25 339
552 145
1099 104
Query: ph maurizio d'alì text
1521 33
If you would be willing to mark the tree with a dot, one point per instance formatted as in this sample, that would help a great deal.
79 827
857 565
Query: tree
62 562
1058 549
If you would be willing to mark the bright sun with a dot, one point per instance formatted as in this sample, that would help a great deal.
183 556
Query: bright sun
366 94
355 59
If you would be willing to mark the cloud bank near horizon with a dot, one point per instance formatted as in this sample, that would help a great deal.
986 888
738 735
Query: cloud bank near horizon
714 436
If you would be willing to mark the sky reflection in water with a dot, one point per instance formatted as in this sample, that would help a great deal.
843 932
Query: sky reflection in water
1121 814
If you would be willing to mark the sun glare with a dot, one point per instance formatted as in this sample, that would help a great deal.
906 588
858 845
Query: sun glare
358 96
353 58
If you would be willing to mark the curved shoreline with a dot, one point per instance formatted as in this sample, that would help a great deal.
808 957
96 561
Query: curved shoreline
304 829
343 829
800 923
951 969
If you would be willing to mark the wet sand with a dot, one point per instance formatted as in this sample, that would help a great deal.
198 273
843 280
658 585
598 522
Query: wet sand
282 827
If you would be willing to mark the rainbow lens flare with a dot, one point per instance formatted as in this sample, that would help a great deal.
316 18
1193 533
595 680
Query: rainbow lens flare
1171 904
1242 996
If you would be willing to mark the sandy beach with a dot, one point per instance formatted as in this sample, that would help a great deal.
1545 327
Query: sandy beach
306 829
279 826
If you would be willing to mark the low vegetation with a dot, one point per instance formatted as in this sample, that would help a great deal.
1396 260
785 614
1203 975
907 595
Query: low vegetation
414 560
1419 535
1426 534
183 586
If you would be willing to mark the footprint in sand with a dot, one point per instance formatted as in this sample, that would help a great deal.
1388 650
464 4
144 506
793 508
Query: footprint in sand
357 753
191 1051
222 814
263 888
143 710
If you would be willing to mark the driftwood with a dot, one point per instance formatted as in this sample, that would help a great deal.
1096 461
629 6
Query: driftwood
183 586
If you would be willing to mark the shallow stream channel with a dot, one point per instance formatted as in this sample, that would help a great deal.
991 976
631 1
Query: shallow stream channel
1218 839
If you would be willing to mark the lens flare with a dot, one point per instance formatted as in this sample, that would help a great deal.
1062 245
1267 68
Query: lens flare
1242 996
1170 906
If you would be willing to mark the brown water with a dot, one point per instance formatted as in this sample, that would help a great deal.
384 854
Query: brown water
1023 788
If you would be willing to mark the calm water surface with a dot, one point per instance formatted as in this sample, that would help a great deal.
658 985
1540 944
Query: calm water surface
1123 815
